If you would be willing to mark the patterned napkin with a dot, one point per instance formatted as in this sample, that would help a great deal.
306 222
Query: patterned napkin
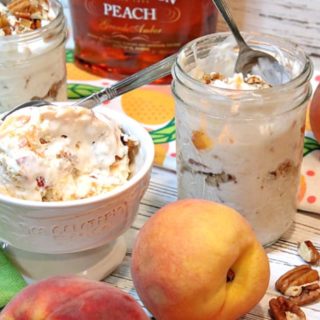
153 106
11 282
309 194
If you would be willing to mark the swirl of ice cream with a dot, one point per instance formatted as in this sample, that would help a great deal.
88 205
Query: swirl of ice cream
62 153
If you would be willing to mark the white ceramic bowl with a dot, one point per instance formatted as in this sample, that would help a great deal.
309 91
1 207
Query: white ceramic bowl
64 228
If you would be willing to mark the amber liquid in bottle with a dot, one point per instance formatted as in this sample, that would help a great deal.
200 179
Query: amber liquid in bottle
116 38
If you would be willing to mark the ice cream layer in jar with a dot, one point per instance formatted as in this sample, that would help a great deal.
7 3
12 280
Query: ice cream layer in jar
239 139
32 52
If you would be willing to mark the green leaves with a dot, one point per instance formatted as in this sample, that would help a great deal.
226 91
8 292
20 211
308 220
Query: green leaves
310 145
79 90
69 55
164 134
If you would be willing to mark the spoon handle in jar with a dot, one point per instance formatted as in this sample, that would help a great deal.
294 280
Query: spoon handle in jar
145 76
226 13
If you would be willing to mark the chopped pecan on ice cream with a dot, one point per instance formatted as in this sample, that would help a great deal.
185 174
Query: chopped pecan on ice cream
60 154
256 80
236 81
4 25
284 309
207 78
32 9
308 252
20 16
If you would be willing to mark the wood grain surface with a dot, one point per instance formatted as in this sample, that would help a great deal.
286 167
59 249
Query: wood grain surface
282 254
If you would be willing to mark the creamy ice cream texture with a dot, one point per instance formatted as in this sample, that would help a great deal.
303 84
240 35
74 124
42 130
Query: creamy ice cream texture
217 69
62 153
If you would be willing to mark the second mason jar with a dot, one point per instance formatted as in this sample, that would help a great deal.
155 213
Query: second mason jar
239 147
32 64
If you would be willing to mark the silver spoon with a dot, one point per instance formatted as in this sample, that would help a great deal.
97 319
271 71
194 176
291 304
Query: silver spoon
147 75
249 60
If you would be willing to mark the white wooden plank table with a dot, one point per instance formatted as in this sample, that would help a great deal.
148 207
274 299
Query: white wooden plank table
282 255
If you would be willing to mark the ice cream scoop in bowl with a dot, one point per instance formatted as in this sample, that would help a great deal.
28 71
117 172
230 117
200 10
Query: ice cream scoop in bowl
73 236
252 61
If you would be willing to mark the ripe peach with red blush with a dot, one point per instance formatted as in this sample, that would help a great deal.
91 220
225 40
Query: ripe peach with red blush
72 298
199 260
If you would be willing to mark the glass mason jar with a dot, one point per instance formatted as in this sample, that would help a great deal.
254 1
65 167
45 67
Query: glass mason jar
32 64
243 148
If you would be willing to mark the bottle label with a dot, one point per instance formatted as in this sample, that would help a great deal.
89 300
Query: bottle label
137 25
166 11
151 29
136 13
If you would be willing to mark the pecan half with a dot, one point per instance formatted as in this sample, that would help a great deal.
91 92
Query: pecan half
309 294
254 80
3 21
292 282
209 77
18 5
308 252
284 309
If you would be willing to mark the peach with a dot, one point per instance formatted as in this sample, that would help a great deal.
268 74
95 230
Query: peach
314 114
199 260
70 297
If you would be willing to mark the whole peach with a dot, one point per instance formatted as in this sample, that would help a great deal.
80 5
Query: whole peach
68 298
199 260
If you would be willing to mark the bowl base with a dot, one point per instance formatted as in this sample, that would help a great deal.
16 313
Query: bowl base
94 264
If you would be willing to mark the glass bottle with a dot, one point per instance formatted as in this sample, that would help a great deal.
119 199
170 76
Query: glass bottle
115 38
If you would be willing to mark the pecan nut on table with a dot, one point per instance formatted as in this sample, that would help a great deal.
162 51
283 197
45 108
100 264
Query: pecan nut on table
299 286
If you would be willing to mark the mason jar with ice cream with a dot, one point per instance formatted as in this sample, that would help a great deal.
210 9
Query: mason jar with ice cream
32 52
239 139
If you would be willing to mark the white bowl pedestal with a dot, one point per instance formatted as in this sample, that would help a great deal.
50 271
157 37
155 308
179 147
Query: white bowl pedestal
56 238
94 264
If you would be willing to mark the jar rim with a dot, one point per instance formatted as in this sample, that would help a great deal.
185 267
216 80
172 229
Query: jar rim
34 34
296 82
